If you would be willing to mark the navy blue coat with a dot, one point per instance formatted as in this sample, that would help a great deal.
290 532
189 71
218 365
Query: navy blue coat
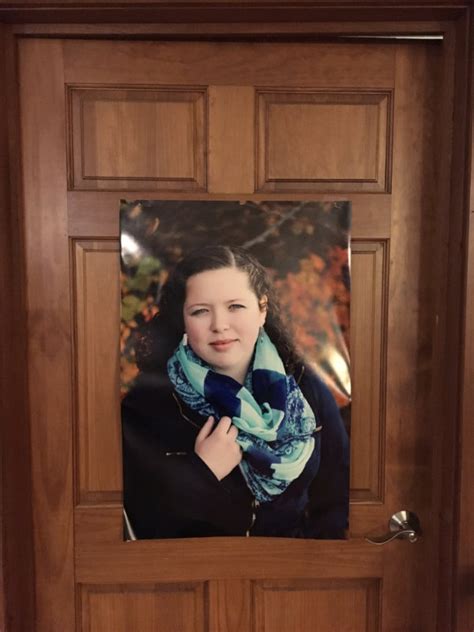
169 492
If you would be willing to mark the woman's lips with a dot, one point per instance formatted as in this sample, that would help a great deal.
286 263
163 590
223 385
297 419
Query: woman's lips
222 345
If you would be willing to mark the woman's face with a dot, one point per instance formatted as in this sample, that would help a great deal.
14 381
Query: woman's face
222 318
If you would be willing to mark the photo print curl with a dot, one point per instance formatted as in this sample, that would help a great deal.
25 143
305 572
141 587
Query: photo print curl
235 376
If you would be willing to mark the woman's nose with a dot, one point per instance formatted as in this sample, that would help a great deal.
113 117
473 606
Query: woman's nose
219 321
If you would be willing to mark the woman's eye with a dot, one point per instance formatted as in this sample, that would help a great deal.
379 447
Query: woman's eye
198 312
236 306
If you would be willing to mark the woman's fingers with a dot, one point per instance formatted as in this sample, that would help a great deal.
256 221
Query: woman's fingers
224 425
205 430
218 448
233 432
225 428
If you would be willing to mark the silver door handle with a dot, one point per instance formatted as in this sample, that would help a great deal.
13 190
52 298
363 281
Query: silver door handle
403 525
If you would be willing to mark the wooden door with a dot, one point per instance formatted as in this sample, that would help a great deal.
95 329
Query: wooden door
104 120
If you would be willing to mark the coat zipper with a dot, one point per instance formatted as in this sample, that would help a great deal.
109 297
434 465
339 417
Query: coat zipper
255 506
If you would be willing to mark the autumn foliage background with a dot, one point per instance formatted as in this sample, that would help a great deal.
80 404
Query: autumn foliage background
303 245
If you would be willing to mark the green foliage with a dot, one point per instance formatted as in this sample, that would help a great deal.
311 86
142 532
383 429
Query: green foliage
131 306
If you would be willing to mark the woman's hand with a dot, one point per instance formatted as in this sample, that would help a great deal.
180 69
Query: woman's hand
218 448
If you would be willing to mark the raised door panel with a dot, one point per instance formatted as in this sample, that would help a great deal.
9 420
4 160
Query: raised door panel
323 605
369 286
145 608
98 472
324 141
137 139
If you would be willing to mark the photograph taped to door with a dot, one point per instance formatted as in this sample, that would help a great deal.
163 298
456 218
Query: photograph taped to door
235 376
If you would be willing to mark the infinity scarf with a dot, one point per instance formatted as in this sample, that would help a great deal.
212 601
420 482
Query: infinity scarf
275 422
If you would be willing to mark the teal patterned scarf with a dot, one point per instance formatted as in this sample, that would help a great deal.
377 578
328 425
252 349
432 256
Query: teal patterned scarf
275 422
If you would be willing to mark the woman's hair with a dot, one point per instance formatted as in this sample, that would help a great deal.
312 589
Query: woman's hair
162 335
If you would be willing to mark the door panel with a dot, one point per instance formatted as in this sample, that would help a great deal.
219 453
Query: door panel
133 120
95 282
137 139
148 607
331 604
325 140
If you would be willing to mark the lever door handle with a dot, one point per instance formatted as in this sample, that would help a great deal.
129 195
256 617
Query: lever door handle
404 525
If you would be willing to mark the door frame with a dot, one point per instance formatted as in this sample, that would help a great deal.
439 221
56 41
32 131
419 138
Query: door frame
249 20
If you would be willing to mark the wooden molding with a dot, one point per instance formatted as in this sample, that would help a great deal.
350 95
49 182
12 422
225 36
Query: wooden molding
463 175
17 607
245 31
73 11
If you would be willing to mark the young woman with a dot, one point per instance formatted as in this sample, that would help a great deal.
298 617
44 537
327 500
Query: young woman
225 431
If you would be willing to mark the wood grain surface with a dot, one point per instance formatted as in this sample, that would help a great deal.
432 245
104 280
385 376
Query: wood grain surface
49 331
406 234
